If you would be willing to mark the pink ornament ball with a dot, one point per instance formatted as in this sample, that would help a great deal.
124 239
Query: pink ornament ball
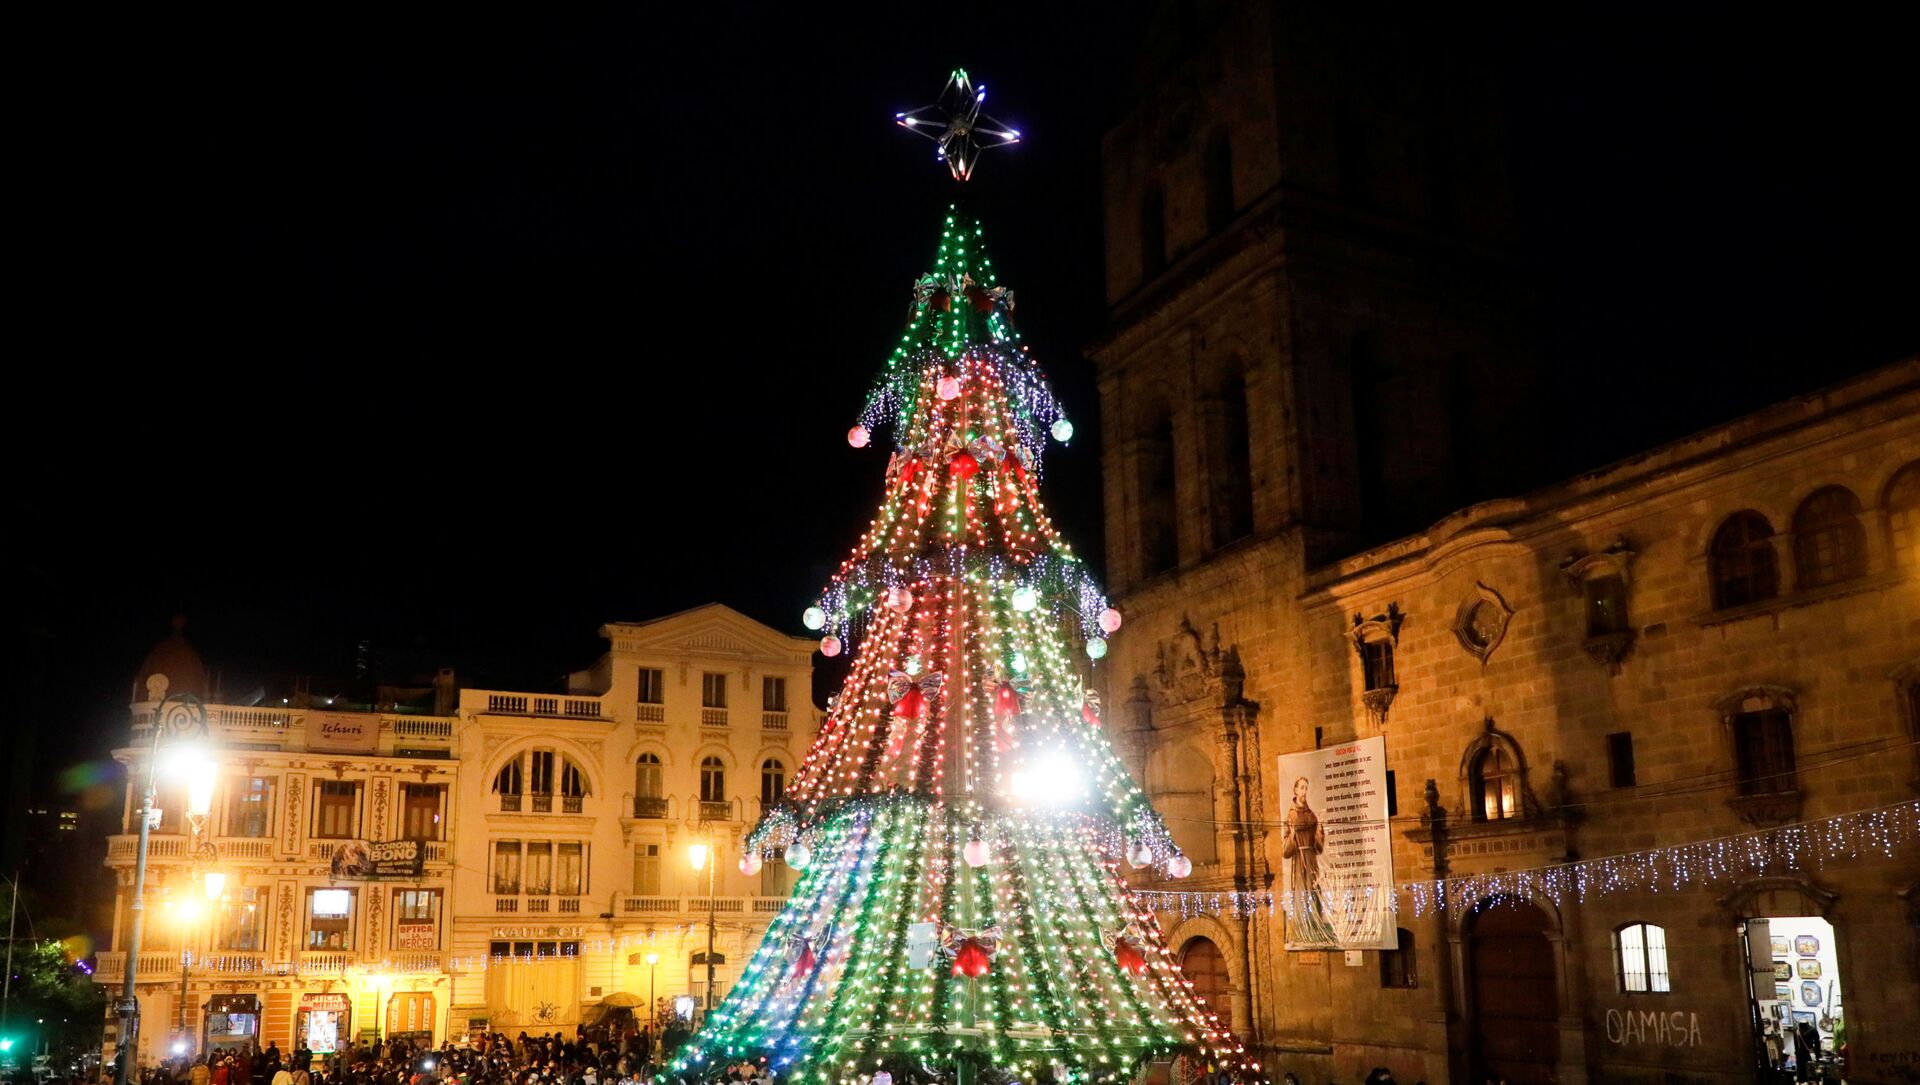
1179 866
948 388
1109 621
829 646
976 853
858 436
899 600
750 863
1140 855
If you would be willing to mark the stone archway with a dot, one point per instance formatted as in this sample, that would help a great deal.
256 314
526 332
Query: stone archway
1205 966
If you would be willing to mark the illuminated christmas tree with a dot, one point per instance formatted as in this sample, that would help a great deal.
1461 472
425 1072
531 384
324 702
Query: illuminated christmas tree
961 822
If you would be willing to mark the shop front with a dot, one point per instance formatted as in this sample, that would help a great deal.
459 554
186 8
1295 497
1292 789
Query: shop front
324 1021
231 1021
410 1017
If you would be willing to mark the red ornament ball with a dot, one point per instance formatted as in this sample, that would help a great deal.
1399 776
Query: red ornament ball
972 960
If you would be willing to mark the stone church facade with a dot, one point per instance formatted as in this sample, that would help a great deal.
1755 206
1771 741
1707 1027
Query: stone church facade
1313 324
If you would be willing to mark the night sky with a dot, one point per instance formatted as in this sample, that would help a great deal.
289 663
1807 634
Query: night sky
462 337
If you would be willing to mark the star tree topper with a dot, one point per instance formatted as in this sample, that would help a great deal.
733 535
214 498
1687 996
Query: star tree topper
957 125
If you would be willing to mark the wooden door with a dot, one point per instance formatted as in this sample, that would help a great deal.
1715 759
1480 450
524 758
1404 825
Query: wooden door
1202 962
1516 1006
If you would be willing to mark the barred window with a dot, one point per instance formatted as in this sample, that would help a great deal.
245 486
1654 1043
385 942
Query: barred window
1744 567
1640 959
1829 544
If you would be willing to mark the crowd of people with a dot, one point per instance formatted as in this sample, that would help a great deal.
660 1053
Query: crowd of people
607 1058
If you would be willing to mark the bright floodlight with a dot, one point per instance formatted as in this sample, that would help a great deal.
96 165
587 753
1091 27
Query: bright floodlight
653 958
697 856
215 884
179 1047
1049 778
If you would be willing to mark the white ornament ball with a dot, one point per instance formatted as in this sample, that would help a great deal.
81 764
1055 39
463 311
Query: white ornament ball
798 856
1110 621
1062 430
1018 662
858 436
948 387
829 646
1140 855
1179 866
750 863
1096 647
1025 598
976 853
899 600
813 618
911 665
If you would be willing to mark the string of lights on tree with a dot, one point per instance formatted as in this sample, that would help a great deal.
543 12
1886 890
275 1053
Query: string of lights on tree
962 825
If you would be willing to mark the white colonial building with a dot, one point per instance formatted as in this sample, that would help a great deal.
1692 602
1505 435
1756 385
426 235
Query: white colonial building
549 844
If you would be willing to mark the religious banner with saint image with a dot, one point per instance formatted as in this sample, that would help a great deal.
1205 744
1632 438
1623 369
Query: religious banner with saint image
1336 853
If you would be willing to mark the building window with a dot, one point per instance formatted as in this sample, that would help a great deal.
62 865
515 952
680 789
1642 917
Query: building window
773 781
1376 664
646 776
336 808
713 780
506 866
1744 567
573 786
1153 232
1230 456
713 690
773 694
775 875
1640 958
1763 751
1396 965
1903 517
540 774
1620 759
652 686
1829 543
250 807
1393 794
242 914
420 811
646 870
539 868
330 918
570 868
1606 604
1496 785
508 783
1219 170
416 919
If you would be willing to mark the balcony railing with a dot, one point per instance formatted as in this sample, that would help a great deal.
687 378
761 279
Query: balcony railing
713 717
535 903
649 904
243 721
773 721
650 713
539 704
649 807
160 846
637 905
720 904
716 811
542 803
113 963
244 847
327 962
509 803
571 804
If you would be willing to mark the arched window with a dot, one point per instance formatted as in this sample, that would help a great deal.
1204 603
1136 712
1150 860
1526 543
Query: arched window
1496 785
509 783
773 781
1202 963
1153 233
646 776
1219 169
1744 567
713 780
573 782
1763 749
1159 532
1903 517
1640 959
1829 545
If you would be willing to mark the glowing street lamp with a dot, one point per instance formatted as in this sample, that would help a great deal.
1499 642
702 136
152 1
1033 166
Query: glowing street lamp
653 970
699 855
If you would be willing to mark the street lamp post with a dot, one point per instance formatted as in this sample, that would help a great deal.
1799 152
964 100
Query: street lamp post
214 882
707 855
177 716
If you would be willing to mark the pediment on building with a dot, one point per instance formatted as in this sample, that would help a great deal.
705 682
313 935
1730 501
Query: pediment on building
1189 669
714 630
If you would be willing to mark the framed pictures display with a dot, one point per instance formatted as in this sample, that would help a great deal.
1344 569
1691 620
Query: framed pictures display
1807 945
1782 970
1783 992
1809 968
1805 1015
1809 992
1780 946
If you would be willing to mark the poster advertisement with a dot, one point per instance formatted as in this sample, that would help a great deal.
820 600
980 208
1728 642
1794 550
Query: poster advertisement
415 934
373 860
355 732
1336 853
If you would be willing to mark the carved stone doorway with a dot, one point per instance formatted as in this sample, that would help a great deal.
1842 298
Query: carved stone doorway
1514 1010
